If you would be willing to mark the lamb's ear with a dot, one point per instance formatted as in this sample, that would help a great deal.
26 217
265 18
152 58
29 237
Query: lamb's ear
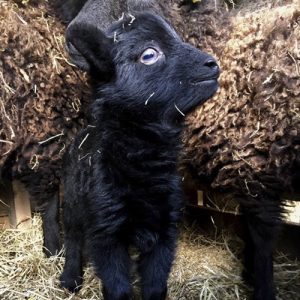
90 48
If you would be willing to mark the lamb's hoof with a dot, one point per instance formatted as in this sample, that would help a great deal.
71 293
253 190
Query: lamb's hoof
53 252
248 278
258 296
71 283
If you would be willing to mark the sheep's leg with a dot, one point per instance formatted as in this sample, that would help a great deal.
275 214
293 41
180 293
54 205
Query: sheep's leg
45 199
112 264
155 266
50 217
262 225
248 271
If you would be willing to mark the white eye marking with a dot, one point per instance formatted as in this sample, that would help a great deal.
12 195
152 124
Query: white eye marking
150 56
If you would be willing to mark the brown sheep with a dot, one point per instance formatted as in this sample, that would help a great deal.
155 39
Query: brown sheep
246 140
42 103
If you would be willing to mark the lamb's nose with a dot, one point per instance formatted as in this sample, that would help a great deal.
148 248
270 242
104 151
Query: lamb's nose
212 64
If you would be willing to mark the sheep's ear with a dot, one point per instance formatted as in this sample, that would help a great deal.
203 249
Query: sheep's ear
90 49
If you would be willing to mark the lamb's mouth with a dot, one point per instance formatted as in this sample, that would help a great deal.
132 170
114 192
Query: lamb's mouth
203 81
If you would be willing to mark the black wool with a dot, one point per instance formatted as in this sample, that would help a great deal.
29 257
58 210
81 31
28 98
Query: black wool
121 182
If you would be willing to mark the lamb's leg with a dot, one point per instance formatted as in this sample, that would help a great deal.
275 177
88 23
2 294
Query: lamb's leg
155 266
71 277
262 220
112 264
50 217
73 215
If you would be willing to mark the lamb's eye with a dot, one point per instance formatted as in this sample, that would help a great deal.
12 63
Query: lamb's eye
150 56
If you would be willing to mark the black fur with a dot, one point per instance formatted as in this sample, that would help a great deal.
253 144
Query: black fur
101 12
121 183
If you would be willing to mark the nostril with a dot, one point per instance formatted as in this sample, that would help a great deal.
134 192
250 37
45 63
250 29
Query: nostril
212 64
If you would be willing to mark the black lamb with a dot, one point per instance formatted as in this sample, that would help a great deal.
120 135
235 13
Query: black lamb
121 183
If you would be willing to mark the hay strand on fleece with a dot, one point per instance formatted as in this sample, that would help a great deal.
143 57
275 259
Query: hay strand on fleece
204 268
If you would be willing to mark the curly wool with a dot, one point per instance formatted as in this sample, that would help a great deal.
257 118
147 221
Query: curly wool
250 131
42 96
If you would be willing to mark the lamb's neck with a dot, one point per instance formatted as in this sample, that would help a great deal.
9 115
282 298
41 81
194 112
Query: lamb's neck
132 144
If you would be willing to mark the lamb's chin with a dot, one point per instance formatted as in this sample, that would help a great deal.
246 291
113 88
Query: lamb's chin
207 90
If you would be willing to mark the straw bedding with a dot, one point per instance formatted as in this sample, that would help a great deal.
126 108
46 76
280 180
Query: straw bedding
205 268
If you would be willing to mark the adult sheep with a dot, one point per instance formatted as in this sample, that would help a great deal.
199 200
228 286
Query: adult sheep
246 141
43 100
121 182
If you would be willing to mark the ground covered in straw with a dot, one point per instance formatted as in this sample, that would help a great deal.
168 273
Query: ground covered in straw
205 268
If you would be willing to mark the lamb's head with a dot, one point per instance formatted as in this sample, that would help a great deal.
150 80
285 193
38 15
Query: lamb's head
142 61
